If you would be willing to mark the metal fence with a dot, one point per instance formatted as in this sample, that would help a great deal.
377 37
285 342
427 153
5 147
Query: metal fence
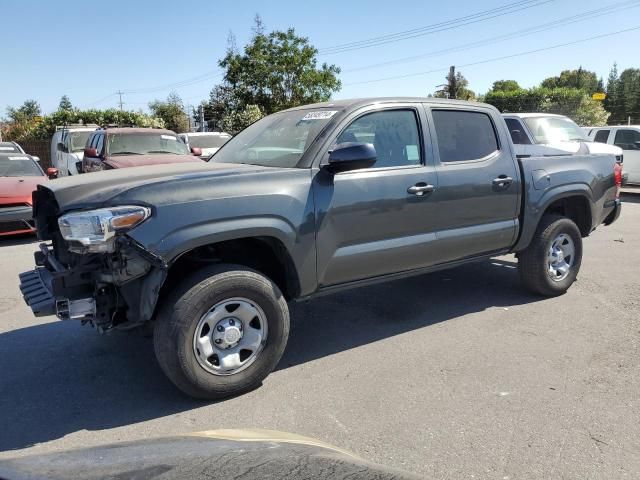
39 148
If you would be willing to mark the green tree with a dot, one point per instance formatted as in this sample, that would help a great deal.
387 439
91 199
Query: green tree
65 103
456 87
505 86
28 111
171 112
629 91
581 79
276 71
235 121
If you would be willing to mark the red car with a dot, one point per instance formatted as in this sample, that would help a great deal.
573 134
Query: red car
19 176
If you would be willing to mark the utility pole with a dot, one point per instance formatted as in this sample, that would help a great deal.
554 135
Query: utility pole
453 87
120 93
201 118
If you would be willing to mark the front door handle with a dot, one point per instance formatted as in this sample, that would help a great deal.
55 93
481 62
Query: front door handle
502 182
420 189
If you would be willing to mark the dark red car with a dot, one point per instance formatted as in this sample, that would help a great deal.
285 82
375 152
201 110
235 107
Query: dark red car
19 176
133 147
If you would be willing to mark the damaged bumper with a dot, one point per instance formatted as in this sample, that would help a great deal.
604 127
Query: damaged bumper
114 290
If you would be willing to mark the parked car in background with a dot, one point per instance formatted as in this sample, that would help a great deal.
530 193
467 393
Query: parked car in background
627 138
305 202
10 147
208 142
67 147
542 134
133 147
20 174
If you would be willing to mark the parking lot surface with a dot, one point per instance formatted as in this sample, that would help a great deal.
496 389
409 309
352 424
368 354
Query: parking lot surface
457 374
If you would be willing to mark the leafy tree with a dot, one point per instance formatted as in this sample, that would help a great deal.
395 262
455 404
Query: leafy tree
456 87
572 102
28 111
581 79
171 112
276 71
505 86
65 103
236 121
629 91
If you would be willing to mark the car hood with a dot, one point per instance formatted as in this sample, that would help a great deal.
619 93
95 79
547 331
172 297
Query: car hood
19 187
247 454
127 161
95 189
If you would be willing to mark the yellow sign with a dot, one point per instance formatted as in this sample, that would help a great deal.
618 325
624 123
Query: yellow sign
37 119
599 96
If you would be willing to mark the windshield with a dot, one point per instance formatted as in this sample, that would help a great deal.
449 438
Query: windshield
555 129
78 140
208 141
278 140
18 166
145 143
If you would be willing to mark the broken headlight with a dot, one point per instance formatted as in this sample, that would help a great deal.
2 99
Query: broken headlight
94 231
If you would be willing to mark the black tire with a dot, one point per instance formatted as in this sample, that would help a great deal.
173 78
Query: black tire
532 262
179 315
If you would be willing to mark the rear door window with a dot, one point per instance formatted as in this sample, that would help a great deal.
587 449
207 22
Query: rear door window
464 135
601 136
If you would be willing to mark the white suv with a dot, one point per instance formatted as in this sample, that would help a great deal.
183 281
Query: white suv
626 137
208 142
540 134
67 147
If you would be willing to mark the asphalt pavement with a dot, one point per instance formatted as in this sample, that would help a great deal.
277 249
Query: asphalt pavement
457 374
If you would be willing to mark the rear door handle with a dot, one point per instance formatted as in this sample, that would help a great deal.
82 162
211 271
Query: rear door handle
502 182
420 189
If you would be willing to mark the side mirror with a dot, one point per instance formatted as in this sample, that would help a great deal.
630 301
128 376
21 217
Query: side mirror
637 144
52 173
351 156
90 152
61 147
35 158
196 151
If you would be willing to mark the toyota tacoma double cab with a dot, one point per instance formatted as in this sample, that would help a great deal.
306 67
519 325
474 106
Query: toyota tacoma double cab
304 202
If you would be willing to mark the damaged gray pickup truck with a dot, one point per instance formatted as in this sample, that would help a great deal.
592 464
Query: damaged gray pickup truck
304 202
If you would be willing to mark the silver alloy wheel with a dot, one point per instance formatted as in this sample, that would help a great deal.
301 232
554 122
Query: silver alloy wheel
560 257
230 336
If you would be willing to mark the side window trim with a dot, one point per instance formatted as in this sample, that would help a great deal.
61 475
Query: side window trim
430 108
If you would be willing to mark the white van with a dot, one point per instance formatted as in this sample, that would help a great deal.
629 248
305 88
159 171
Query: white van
540 134
208 142
626 137
67 147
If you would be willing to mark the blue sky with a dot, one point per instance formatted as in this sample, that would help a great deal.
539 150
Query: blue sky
88 50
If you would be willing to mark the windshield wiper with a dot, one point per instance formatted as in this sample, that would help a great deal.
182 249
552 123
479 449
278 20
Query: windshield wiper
127 153
163 151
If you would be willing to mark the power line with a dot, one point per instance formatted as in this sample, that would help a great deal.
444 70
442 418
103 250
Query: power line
494 59
99 101
436 27
614 8
182 83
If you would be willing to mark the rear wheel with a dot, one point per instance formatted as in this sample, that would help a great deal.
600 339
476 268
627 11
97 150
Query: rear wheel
550 264
221 332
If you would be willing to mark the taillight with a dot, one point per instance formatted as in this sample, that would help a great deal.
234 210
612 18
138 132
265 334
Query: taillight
617 176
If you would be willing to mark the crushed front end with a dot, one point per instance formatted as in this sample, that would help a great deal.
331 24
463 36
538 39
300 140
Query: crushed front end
90 270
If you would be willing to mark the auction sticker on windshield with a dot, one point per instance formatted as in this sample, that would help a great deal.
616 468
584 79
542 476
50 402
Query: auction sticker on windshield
18 158
168 137
320 115
7 148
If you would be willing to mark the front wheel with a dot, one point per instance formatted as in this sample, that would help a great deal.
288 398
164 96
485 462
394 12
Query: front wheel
221 332
550 264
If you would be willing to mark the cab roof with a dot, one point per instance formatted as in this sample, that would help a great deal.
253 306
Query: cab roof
360 102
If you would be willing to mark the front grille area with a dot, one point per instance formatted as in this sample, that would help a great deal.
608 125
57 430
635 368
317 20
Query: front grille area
12 226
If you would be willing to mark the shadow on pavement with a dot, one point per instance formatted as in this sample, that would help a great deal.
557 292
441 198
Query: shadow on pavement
58 378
